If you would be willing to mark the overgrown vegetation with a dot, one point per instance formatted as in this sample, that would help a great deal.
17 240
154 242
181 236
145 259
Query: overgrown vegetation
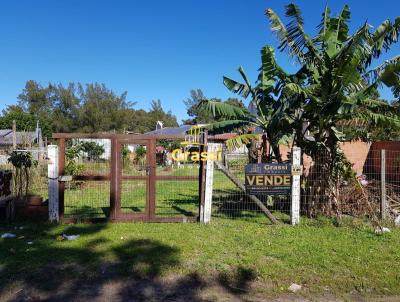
22 163
334 88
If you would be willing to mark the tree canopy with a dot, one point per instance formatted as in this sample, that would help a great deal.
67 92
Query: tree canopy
81 108
334 89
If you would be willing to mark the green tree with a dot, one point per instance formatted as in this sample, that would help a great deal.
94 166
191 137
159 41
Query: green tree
93 150
24 121
157 113
199 115
35 98
271 101
335 84
65 108
101 109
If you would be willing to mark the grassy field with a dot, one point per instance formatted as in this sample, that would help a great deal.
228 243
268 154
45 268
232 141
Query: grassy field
231 258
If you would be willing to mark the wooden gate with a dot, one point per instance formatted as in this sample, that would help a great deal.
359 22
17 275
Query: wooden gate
117 178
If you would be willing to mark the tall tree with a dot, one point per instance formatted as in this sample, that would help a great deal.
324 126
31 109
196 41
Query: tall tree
102 109
157 113
65 108
25 121
35 98
335 84
199 115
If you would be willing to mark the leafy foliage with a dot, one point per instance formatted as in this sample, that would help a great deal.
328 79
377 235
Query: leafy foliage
334 88
22 162
140 153
81 108
72 154
93 150
200 115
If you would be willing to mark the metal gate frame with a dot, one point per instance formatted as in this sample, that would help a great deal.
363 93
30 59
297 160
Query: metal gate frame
115 177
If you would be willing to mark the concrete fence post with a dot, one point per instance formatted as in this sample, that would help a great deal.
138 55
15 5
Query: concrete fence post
206 216
52 172
383 205
295 196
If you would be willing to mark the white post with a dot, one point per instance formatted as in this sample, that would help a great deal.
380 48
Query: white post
383 204
295 202
52 172
206 215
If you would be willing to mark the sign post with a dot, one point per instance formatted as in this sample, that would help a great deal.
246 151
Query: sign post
277 179
295 196
206 213
52 172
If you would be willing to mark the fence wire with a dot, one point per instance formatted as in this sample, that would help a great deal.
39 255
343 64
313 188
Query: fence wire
359 191
230 201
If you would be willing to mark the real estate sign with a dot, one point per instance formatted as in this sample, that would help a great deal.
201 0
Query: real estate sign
268 179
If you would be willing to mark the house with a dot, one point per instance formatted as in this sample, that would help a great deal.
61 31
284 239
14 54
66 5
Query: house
23 139
105 143
183 133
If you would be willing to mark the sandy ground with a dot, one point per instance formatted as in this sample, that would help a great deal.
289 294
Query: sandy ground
188 288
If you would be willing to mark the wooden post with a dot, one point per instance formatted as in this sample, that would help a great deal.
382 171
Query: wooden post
295 196
151 162
52 174
383 206
206 214
14 135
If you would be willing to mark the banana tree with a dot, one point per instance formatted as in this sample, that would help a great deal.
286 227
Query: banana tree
339 82
275 100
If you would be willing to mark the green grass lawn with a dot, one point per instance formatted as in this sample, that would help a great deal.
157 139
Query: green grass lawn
323 258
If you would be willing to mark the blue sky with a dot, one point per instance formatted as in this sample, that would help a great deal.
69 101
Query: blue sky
152 49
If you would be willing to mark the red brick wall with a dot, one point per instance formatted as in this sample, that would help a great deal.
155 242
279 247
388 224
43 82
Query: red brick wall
356 152
392 155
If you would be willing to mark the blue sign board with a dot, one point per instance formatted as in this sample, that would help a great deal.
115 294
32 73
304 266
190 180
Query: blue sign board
268 179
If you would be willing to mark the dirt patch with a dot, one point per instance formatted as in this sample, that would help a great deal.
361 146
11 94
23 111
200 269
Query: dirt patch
172 288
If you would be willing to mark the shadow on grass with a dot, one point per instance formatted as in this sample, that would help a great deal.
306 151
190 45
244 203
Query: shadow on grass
86 211
66 271
231 203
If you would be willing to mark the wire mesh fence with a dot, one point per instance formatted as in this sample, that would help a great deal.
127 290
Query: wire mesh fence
231 201
367 185
177 182
352 187
37 178
85 198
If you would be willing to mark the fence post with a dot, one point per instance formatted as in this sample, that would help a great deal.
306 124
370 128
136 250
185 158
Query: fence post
383 206
52 172
202 176
206 217
295 196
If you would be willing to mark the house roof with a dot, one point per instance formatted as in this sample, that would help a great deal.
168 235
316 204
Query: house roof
223 136
179 132
6 137
4 132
